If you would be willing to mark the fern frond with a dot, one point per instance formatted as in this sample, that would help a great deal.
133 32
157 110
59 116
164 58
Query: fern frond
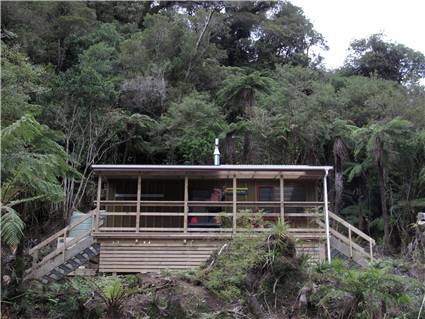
12 227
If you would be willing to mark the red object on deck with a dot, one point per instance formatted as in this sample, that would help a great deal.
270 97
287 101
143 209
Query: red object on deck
194 220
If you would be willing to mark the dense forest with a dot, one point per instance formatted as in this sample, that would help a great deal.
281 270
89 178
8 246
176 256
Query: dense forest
84 83
155 82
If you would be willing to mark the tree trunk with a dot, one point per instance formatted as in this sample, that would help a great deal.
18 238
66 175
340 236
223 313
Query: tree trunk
340 154
229 144
247 148
339 186
385 216
248 100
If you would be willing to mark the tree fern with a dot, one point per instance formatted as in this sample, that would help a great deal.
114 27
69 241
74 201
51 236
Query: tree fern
32 165
11 227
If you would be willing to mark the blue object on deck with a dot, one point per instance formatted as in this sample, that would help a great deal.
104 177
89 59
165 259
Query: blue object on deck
81 228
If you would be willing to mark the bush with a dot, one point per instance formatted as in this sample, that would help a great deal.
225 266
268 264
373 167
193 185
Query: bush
227 278
362 293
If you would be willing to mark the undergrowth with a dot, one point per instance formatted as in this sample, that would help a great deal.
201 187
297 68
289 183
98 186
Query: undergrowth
258 275
267 269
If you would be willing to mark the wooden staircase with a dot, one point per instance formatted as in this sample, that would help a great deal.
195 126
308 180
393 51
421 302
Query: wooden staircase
348 242
59 255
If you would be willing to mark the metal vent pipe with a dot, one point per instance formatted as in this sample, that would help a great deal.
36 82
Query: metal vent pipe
216 154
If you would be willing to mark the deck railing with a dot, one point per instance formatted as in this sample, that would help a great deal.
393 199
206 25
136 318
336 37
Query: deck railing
305 219
129 216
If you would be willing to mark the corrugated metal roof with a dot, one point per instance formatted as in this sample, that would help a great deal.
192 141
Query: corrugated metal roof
117 168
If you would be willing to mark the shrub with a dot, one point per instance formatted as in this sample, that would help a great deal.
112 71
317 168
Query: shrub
360 293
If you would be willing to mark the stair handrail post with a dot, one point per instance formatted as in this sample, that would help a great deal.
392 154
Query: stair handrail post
35 259
350 241
325 199
64 243
371 250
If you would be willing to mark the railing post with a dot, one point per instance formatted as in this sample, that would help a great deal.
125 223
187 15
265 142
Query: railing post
186 206
64 244
234 204
35 259
325 199
371 250
139 196
351 244
99 190
282 205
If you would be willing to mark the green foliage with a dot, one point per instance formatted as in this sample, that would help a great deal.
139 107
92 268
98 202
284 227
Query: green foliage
227 279
287 37
113 294
48 32
157 49
156 82
32 163
383 142
56 300
189 127
239 89
358 293
12 227
388 60
20 83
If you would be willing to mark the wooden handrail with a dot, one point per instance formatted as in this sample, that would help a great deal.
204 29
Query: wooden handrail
210 203
59 251
59 233
349 241
353 228
240 213
355 246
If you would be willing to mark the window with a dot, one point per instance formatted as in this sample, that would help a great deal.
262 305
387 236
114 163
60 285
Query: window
265 193
268 194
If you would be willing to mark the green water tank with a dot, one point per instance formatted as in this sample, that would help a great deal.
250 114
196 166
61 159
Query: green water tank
81 228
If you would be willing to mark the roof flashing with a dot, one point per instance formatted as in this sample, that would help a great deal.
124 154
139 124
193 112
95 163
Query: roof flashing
198 168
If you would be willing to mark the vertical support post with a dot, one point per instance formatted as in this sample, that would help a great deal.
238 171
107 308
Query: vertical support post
34 259
371 251
99 190
186 206
64 244
282 204
325 199
234 204
139 196
107 193
350 241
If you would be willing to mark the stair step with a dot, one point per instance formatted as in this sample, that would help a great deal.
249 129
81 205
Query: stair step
90 252
73 262
85 255
82 259
57 274
45 279
66 269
